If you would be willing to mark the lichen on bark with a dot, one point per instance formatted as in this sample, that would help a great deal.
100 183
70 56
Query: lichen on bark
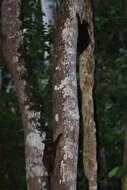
13 56
65 98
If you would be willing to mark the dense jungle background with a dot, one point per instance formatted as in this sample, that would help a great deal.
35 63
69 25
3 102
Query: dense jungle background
110 94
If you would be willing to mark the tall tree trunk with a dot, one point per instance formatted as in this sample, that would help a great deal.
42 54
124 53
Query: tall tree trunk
65 104
48 7
36 173
87 65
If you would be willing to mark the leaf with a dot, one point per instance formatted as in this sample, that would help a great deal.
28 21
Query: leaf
125 188
121 171
118 171
113 172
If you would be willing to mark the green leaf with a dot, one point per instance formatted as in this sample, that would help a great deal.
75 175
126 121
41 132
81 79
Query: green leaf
113 172
121 171
125 188
118 171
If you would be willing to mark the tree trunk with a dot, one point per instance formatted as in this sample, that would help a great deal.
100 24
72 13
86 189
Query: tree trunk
48 7
36 173
87 65
65 104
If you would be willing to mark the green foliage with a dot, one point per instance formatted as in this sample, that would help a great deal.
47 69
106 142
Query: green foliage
113 172
125 188
110 87
118 171
37 42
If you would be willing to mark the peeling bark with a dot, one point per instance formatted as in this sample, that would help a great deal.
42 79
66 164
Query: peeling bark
65 105
87 65
36 173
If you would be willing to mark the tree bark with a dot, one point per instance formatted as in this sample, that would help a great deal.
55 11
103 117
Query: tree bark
48 7
87 66
36 173
65 104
